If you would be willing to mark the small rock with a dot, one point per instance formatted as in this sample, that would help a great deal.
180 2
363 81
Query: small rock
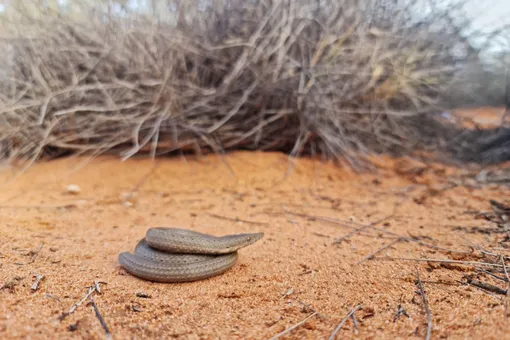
74 327
73 189
143 295
128 196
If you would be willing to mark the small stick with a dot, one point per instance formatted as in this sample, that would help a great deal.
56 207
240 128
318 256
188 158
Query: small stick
371 255
487 287
356 325
100 317
486 292
236 219
400 311
441 282
312 309
38 280
142 181
494 276
355 231
507 298
57 206
54 297
427 308
348 224
290 329
34 256
306 272
12 283
77 304
480 248
95 288
467 263
320 235
339 327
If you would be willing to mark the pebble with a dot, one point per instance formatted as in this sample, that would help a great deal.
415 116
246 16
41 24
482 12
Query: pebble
73 189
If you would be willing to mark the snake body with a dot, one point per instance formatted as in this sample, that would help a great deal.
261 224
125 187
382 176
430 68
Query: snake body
181 255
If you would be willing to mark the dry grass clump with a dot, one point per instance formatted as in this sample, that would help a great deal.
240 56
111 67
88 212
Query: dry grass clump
337 79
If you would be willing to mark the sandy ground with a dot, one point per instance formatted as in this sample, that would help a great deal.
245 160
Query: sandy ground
483 117
302 265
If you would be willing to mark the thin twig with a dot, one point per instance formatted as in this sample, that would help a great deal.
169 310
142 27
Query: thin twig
467 263
348 224
310 308
95 288
38 280
290 329
57 206
34 256
355 231
355 322
494 275
371 255
54 297
236 219
341 324
100 317
11 284
427 308
487 287
144 179
77 304
400 311
480 248
507 298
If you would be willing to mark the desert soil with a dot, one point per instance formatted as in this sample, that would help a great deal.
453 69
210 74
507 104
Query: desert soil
314 258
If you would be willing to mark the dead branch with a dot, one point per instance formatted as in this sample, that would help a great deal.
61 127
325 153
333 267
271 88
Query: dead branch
466 263
348 224
290 329
341 324
208 86
426 304
34 256
400 311
236 219
96 288
487 286
371 255
507 297
100 317
38 280
355 231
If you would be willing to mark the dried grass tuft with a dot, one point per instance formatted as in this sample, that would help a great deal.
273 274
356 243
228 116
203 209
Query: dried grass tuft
340 80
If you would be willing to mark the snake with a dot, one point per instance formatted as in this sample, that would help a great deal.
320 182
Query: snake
180 255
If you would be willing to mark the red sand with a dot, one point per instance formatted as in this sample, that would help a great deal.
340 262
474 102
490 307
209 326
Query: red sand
296 263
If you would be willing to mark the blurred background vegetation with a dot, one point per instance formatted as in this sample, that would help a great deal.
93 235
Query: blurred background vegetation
340 79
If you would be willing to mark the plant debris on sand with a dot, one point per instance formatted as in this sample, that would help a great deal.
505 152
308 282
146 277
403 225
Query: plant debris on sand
339 259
